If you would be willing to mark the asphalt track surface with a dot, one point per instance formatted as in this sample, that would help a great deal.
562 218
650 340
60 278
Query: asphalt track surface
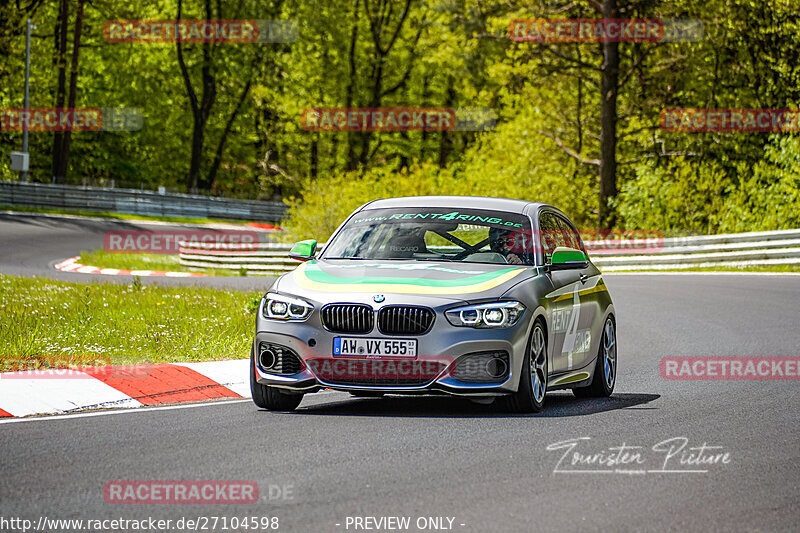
31 244
441 457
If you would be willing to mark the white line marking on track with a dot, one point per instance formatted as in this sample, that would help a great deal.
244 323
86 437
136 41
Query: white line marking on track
139 410
119 411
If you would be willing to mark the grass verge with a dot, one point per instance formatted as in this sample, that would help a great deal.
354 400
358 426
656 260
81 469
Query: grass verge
121 324
142 261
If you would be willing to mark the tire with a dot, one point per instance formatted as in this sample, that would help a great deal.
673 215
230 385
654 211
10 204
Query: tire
271 398
532 389
605 369
367 394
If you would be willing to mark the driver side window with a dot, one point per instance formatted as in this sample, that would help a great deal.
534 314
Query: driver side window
550 235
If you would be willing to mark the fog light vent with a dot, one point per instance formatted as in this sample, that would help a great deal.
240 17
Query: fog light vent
277 359
482 367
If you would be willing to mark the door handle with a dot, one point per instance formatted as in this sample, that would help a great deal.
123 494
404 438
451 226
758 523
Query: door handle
583 278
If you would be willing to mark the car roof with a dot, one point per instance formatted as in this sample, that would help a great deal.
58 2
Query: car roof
465 202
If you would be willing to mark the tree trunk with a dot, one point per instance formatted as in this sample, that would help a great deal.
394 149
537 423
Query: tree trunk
375 102
61 58
314 163
426 97
201 107
198 134
445 140
352 158
380 22
608 125
73 82
208 182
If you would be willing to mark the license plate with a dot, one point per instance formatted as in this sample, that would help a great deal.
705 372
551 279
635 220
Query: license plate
361 347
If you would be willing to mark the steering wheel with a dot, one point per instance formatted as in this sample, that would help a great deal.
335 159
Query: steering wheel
471 250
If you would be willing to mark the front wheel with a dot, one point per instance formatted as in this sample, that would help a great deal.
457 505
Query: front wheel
605 370
271 398
530 394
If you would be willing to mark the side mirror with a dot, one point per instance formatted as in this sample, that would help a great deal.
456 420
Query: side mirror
564 258
303 250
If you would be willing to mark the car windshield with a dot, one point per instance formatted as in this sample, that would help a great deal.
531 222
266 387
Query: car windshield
435 234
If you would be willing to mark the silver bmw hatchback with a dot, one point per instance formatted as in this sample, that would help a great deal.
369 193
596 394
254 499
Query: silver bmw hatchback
487 298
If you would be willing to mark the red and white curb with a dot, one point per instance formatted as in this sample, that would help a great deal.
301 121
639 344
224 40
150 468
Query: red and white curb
265 227
29 392
72 265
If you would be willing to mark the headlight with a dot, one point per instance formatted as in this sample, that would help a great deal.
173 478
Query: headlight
282 307
491 315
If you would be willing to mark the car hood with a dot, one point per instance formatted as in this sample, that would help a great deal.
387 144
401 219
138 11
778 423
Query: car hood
356 280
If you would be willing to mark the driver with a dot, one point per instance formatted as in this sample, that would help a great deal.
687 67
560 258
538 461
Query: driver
506 243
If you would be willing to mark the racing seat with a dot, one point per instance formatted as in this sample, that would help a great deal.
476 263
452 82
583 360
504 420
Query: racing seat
404 246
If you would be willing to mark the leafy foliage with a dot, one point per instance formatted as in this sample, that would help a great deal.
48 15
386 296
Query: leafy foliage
440 53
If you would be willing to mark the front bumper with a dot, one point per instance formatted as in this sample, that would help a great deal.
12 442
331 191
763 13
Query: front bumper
442 345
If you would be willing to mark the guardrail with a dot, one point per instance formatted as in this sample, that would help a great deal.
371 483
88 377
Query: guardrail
266 258
735 249
780 247
137 202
